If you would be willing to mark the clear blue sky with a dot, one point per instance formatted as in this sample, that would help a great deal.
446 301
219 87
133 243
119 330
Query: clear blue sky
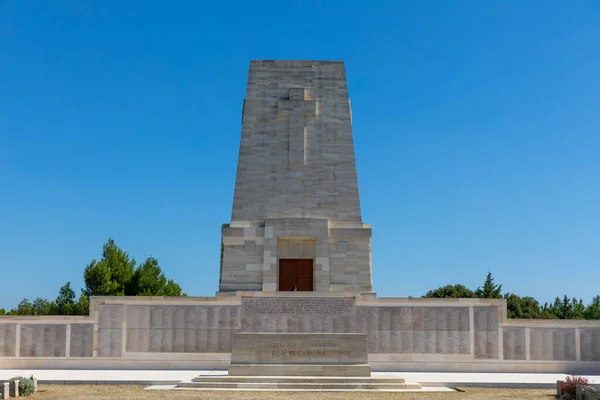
476 123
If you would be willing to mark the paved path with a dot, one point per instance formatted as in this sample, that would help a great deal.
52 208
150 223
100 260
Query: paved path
171 377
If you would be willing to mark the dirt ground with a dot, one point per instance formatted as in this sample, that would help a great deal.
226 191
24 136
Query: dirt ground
124 392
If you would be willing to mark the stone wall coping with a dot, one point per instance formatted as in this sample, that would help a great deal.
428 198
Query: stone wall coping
177 299
47 319
534 323
436 301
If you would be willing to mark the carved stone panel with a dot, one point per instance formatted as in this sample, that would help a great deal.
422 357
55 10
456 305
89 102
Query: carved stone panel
82 340
514 347
8 342
43 340
486 318
110 330
552 344
285 314
590 344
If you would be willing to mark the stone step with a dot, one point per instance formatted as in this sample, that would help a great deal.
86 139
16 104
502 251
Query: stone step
294 379
299 385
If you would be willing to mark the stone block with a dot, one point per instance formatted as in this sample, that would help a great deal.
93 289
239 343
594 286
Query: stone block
43 340
8 340
294 351
552 344
82 340
590 344
109 342
486 318
514 344
299 348
110 316
486 345
297 314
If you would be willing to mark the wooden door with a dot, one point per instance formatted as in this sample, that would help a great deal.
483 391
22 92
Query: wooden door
305 276
288 272
296 272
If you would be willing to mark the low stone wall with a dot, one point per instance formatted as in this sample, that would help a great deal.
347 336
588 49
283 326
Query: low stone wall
403 334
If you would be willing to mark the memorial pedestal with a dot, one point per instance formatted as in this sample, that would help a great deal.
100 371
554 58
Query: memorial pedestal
299 354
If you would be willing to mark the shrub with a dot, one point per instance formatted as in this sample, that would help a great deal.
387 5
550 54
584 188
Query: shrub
568 387
25 385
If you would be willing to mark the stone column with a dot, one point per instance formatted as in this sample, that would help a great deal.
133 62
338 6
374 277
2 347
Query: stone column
5 391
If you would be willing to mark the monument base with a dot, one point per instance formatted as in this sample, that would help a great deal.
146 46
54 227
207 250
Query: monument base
349 383
356 370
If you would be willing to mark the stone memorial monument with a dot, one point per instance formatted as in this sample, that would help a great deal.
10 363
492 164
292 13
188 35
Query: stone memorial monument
296 218
296 222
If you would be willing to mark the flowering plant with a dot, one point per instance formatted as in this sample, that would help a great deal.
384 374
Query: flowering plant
568 387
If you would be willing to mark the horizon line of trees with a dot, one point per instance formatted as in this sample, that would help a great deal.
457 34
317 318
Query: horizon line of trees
115 274
523 307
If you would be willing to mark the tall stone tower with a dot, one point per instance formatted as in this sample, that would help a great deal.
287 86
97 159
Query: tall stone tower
296 218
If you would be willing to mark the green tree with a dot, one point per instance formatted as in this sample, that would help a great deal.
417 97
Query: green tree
577 309
24 308
489 289
451 291
110 276
173 289
82 307
593 310
66 300
522 307
149 280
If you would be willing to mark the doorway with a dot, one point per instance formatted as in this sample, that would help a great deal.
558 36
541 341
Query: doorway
296 272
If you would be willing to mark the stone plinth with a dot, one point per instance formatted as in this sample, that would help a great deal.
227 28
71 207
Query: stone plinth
303 354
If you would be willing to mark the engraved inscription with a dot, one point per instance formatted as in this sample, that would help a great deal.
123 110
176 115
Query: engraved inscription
8 334
318 345
299 348
298 306
82 340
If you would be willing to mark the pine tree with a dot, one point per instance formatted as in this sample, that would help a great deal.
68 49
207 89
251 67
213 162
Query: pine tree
489 289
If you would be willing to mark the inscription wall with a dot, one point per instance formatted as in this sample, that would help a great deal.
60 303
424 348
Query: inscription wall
514 344
415 330
110 330
589 344
82 340
8 340
552 344
485 320
302 315
43 340
181 328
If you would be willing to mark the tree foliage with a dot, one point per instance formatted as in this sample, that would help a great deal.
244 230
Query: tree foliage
523 307
149 280
489 290
451 291
111 276
115 274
